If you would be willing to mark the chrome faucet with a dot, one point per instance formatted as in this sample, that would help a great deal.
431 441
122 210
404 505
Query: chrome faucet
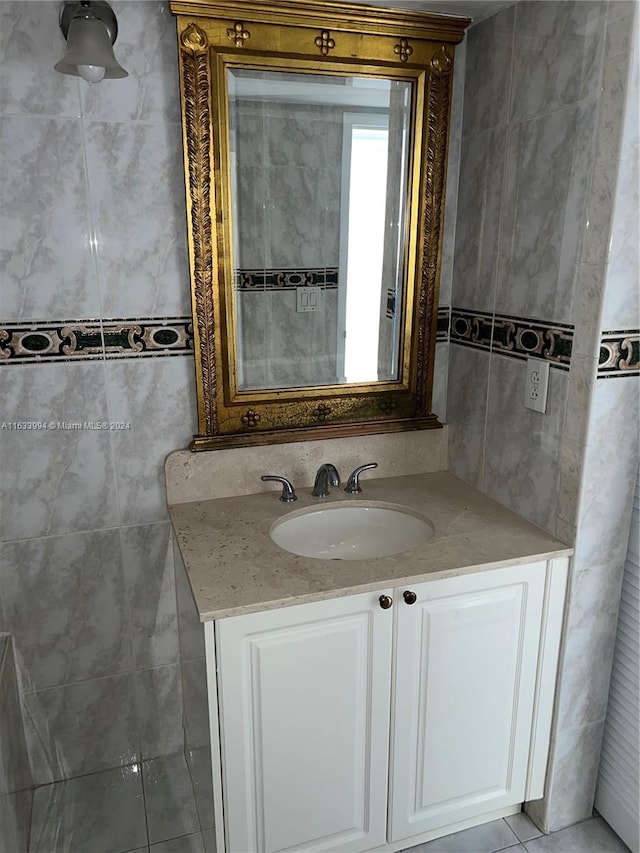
353 483
327 476
288 492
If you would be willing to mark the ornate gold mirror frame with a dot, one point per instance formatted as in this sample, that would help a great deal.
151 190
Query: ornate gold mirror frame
327 38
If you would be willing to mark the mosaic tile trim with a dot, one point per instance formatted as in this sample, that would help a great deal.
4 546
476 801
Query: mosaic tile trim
279 279
619 354
518 337
444 316
22 343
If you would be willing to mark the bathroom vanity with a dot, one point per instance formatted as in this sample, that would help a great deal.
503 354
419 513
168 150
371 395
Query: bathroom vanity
374 704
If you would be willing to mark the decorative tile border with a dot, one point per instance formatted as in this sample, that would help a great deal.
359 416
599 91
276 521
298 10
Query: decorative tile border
22 343
518 337
444 317
282 279
619 354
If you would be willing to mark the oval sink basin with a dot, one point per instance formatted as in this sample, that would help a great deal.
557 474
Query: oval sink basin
343 531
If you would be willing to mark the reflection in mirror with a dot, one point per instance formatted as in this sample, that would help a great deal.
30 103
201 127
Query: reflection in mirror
318 181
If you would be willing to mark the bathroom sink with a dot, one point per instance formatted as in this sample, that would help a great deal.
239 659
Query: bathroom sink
345 531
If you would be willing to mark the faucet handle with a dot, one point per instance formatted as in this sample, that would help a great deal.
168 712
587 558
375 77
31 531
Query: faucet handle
288 492
353 483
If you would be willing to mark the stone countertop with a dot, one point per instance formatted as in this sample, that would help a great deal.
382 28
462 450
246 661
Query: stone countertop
234 567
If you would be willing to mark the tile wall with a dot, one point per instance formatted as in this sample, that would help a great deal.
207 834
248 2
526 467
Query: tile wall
600 446
542 188
95 308
16 794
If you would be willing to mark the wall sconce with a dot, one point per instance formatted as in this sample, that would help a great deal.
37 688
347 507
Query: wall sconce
90 28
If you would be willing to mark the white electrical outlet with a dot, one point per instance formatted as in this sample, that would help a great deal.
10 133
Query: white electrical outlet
537 384
308 298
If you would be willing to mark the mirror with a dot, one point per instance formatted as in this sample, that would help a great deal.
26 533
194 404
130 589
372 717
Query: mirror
315 150
319 170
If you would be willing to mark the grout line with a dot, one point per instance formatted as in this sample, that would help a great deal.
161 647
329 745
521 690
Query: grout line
132 671
113 527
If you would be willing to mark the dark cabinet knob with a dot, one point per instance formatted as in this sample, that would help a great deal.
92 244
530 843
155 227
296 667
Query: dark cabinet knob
385 601
409 596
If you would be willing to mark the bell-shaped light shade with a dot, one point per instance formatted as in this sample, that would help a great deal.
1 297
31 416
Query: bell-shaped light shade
88 51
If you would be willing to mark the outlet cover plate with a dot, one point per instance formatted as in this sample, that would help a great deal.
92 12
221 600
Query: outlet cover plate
537 384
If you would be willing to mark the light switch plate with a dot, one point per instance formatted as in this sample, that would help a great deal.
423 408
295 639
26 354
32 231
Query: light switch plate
308 299
537 384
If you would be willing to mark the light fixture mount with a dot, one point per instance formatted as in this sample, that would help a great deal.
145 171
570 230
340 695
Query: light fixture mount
90 29
97 9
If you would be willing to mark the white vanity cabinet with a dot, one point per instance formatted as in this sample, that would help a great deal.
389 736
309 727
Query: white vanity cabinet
345 726
303 694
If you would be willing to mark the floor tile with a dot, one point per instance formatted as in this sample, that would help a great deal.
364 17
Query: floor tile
77 815
523 826
169 799
486 838
591 836
185 844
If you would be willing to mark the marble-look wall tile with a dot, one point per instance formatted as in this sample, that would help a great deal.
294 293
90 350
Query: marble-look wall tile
522 447
621 309
620 26
158 699
588 300
147 555
597 232
548 177
81 728
587 650
191 630
575 755
570 464
294 217
102 811
74 625
137 197
332 214
15 820
250 245
170 803
300 346
609 471
297 136
248 132
147 47
15 774
157 397
30 44
45 230
440 379
466 412
558 56
622 294
482 163
55 480
457 93
582 377
196 704
615 82
199 764
488 72
449 227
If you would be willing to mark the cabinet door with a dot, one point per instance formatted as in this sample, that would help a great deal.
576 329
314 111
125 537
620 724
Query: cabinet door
467 654
304 715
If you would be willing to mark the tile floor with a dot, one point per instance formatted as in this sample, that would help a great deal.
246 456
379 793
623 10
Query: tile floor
157 808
